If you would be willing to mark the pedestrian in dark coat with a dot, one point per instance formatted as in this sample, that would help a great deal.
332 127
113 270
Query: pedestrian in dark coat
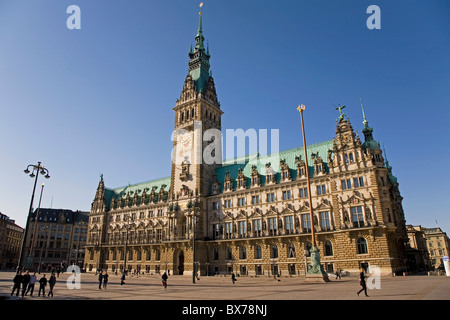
105 280
25 282
362 282
122 279
51 282
17 282
42 285
100 279
164 280
233 278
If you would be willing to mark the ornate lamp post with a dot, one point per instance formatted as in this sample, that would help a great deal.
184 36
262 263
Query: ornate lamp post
80 226
44 244
193 207
39 169
127 227
316 269
30 254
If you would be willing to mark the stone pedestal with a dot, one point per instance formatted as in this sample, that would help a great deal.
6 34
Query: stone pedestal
316 272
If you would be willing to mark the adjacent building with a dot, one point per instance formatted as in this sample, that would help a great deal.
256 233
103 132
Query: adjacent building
55 238
428 247
11 237
251 215
438 245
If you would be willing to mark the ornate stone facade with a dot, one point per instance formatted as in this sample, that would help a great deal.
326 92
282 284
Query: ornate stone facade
251 217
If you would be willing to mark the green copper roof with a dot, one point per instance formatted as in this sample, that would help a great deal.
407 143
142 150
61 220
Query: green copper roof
148 186
199 60
289 156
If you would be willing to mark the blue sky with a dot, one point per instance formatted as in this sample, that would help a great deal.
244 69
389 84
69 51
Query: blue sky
99 100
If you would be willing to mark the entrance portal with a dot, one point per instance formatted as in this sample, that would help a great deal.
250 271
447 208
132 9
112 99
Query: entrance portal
178 262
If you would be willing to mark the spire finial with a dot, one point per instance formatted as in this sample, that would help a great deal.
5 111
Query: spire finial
199 38
365 122
385 155
200 14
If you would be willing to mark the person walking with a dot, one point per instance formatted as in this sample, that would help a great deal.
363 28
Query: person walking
17 282
25 282
42 285
362 282
233 278
100 279
122 279
31 284
338 274
51 282
105 280
164 280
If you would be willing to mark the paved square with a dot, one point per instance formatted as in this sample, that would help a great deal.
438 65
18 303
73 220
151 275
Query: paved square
148 287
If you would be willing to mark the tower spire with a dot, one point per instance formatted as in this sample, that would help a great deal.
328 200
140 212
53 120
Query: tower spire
199 38
369 142
365 122
199 58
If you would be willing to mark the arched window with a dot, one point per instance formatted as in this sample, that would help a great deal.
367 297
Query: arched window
274 252
243 253
229 254
258 252
291 251
328 248
216 254
361 245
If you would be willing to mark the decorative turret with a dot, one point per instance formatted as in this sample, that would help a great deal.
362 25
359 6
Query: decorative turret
392 178
99 203
369 142
370 145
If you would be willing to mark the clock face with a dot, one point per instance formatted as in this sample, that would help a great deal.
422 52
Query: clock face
184 145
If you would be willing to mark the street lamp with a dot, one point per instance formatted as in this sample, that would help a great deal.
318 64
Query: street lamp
80 226
127 227
44 243
194 207
316 268
30 253
43 171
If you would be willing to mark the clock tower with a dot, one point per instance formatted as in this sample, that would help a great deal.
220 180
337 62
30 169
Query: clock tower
196 138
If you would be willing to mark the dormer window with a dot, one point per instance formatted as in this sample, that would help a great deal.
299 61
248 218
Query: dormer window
285 172
228 181
270 174
241 180
255 177
301 167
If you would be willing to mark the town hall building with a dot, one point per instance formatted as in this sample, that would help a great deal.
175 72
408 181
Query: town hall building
251 217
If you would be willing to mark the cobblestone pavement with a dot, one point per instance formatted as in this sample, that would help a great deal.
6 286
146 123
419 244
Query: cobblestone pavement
148 287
